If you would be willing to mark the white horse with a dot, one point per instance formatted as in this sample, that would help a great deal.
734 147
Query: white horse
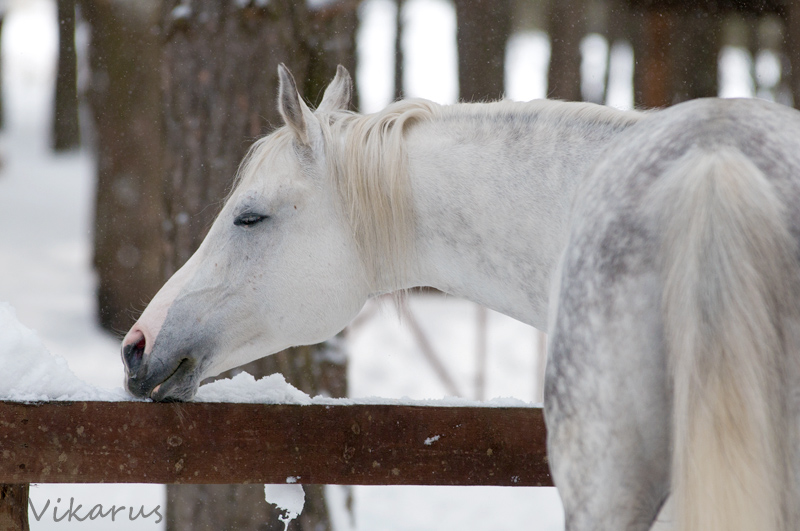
658 250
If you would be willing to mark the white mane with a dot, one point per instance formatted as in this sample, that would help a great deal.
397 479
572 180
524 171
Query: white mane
550 114
369 168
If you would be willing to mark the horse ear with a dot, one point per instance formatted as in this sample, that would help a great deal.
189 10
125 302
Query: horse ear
339 92
295 112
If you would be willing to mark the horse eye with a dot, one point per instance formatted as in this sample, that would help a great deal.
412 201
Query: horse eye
248 219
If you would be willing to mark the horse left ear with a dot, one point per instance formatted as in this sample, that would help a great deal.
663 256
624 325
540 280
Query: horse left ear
339 92
295 112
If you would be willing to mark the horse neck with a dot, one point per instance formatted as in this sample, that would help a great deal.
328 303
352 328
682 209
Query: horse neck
493 187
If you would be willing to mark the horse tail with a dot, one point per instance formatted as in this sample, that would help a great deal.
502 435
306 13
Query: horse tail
729 289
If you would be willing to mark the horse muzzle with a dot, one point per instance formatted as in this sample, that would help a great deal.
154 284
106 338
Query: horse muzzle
163 378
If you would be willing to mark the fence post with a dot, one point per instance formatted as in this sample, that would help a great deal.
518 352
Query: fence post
14 507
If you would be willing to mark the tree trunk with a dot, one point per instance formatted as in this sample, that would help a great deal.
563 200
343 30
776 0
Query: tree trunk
331 42
176 106
566 25
652 73
125 100
14 507
793 49
219 94
399 59
66 133
239 508
695 47
676 54
219 87
483 28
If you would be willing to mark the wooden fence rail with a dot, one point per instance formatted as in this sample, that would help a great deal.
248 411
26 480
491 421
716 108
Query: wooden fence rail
137 442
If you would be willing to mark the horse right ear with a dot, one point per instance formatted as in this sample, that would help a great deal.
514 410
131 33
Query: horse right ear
339 93
295 112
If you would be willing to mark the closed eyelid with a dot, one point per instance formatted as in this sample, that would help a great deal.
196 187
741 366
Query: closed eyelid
249 218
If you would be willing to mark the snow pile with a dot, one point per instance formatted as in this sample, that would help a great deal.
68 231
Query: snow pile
28 372
244 388
274 389
289 498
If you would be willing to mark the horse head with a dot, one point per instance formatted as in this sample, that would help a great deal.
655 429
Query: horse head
278 268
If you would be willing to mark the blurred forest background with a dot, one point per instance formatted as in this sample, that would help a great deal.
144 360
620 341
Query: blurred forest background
171 93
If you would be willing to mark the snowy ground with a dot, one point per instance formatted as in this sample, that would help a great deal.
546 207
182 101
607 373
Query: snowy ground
45 273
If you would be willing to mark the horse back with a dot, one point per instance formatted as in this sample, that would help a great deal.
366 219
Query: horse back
618 202
625 216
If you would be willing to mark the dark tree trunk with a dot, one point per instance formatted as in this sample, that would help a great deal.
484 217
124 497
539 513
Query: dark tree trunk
238 508
125 101
219 86
176 106
331 42
676 54
566 25
619 28
218 507
652 61
399 60
483 28
219 80
14 507
695 52
66 133
793 49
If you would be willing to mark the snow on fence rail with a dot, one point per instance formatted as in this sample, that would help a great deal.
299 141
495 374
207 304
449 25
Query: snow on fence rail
138 442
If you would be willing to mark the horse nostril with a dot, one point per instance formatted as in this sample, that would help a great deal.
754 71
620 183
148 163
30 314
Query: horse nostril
133 352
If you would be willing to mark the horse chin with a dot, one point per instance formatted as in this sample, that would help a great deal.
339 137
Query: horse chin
176 385
180 386
172 393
